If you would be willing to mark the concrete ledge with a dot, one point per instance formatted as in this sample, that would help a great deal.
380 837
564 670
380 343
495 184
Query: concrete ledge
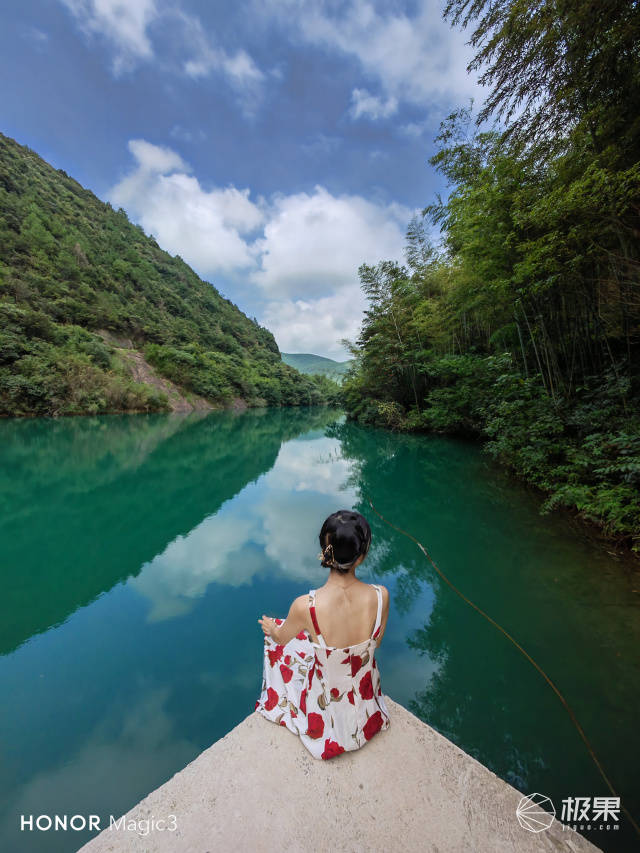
409 789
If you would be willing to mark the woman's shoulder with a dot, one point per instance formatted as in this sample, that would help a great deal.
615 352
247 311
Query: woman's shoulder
385 597
300 609
301 602
383 590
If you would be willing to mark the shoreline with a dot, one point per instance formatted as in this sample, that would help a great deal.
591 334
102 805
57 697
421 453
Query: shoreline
589 527
234 406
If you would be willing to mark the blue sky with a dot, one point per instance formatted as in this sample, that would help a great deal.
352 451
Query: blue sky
274 145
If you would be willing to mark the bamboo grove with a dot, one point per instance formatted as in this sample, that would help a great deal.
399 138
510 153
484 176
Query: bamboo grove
520 322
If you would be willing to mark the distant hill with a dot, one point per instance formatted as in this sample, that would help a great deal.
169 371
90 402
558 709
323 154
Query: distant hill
96 317
316 364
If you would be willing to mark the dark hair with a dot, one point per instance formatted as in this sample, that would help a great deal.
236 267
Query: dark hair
345 535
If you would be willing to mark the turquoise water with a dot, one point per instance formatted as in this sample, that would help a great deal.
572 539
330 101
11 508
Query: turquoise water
137 553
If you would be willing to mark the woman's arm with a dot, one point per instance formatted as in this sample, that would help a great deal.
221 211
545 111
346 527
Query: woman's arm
295 622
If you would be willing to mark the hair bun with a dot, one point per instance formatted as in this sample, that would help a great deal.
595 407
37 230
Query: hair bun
349 536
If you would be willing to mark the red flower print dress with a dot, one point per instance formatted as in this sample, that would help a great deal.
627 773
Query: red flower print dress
330 697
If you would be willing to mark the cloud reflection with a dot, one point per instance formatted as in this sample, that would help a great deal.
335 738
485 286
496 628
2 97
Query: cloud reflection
130 750
272 526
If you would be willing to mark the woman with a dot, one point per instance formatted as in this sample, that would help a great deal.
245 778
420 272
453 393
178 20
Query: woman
320 677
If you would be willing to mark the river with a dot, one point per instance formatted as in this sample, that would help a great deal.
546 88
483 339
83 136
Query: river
137 553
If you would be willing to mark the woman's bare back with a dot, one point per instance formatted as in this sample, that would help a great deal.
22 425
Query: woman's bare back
346 616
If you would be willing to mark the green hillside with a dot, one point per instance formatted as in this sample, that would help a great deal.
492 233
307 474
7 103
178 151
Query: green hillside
76 277
316 364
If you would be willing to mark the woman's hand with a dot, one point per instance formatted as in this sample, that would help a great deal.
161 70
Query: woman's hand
268 625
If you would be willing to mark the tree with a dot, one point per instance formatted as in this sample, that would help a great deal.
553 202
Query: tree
556 66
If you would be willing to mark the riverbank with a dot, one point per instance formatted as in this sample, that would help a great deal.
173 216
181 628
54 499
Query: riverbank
580 453
409 789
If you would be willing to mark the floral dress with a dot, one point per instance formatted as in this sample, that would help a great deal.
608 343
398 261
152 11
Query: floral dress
331 697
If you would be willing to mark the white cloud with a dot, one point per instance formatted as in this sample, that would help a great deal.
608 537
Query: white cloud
314 243
186 135
240 70
206 57
321 145
414 129
156 158
317 325
301 251
417 59
132 730
209 553
368 105
272 527
309 256
123 23
36 36
206 228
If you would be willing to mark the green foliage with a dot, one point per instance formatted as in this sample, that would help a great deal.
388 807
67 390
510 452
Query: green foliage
557 67
523 326
74 274
584 453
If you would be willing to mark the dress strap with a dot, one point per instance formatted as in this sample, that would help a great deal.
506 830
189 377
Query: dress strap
376 627
314 618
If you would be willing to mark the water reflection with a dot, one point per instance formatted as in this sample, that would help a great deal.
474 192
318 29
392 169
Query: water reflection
569 604
270 529
151 545
85 502
129 741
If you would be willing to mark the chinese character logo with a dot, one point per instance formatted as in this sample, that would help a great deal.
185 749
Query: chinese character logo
535 812
576 809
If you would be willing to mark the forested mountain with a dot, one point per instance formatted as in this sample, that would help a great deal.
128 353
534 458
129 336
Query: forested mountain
316 364
522 326
76 277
